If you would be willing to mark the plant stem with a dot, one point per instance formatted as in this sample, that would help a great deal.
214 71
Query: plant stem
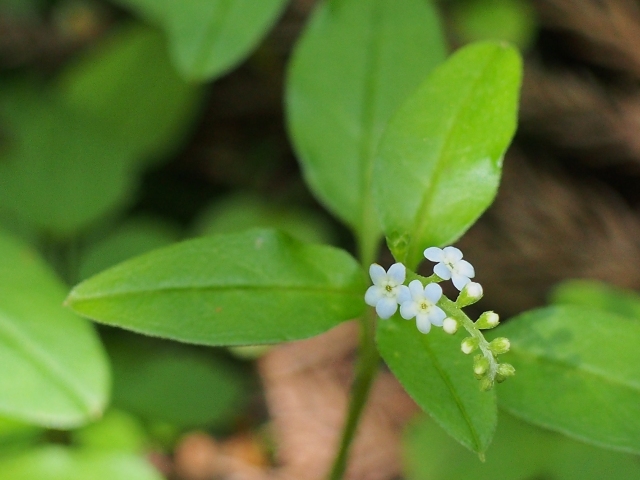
368 360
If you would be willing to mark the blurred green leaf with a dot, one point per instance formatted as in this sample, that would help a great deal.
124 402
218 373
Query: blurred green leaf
60 171
209 37
55 371
128 84
439 377
576 373
242 211
173 383
60 463
117 431
439 162
135 237
519 451
255 287
354 65
603 296
17 436
511 20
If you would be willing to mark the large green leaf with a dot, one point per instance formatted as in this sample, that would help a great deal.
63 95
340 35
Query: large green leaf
255 287
519 451
439 377
355 64
603 296
55 370
209 37
577 373
60 463
127 82
169 382
439 162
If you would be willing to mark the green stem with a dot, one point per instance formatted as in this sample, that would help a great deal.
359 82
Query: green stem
368 361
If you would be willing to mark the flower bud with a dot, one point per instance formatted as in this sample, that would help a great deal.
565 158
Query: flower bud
480 366
505 370
450 326
499 345
468 345
486 384
488 320
470 294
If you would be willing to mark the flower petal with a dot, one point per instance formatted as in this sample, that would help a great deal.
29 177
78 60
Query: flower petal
397 272
465 268
377 273
442 271
423 323
417 289
433 292
386 307
404 294
434 254
459 281
373 295
408 310
452 254
436 316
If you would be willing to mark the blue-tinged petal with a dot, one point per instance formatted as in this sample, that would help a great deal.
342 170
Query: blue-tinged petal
423 323
373 296
386 307
408 310
465 268
417 289
459 281
442 271
452 254
397 272
404 294
433 292
434 254
436 316
377 273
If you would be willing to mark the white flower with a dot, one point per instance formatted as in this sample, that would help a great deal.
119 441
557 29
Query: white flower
450 266
419 302
383 294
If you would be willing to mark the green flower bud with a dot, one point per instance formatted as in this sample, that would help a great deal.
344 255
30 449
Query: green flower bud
499 346
486 384
470 294
488 320
505 370
468 345
450 326
480 366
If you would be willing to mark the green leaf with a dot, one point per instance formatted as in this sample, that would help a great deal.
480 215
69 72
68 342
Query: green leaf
60 463
55 371
242 211
117 431
61 170
603 296
168 382
135 237
439 377
439 162
519 451
355 64
255 287
576 373
128 84
209 37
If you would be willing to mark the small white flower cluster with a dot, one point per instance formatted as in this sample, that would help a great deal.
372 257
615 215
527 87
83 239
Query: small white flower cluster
419 301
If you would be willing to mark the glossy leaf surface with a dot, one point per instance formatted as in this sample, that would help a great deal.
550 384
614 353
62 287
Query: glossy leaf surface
439 162
603 296
255 287
576 373
439 377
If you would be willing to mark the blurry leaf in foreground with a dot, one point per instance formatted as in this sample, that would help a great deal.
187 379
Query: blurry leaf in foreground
241 212
117 431
577 373
60 463
178 384
55 370
519 452
259 286
135 237
209 37
128 85
603 296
